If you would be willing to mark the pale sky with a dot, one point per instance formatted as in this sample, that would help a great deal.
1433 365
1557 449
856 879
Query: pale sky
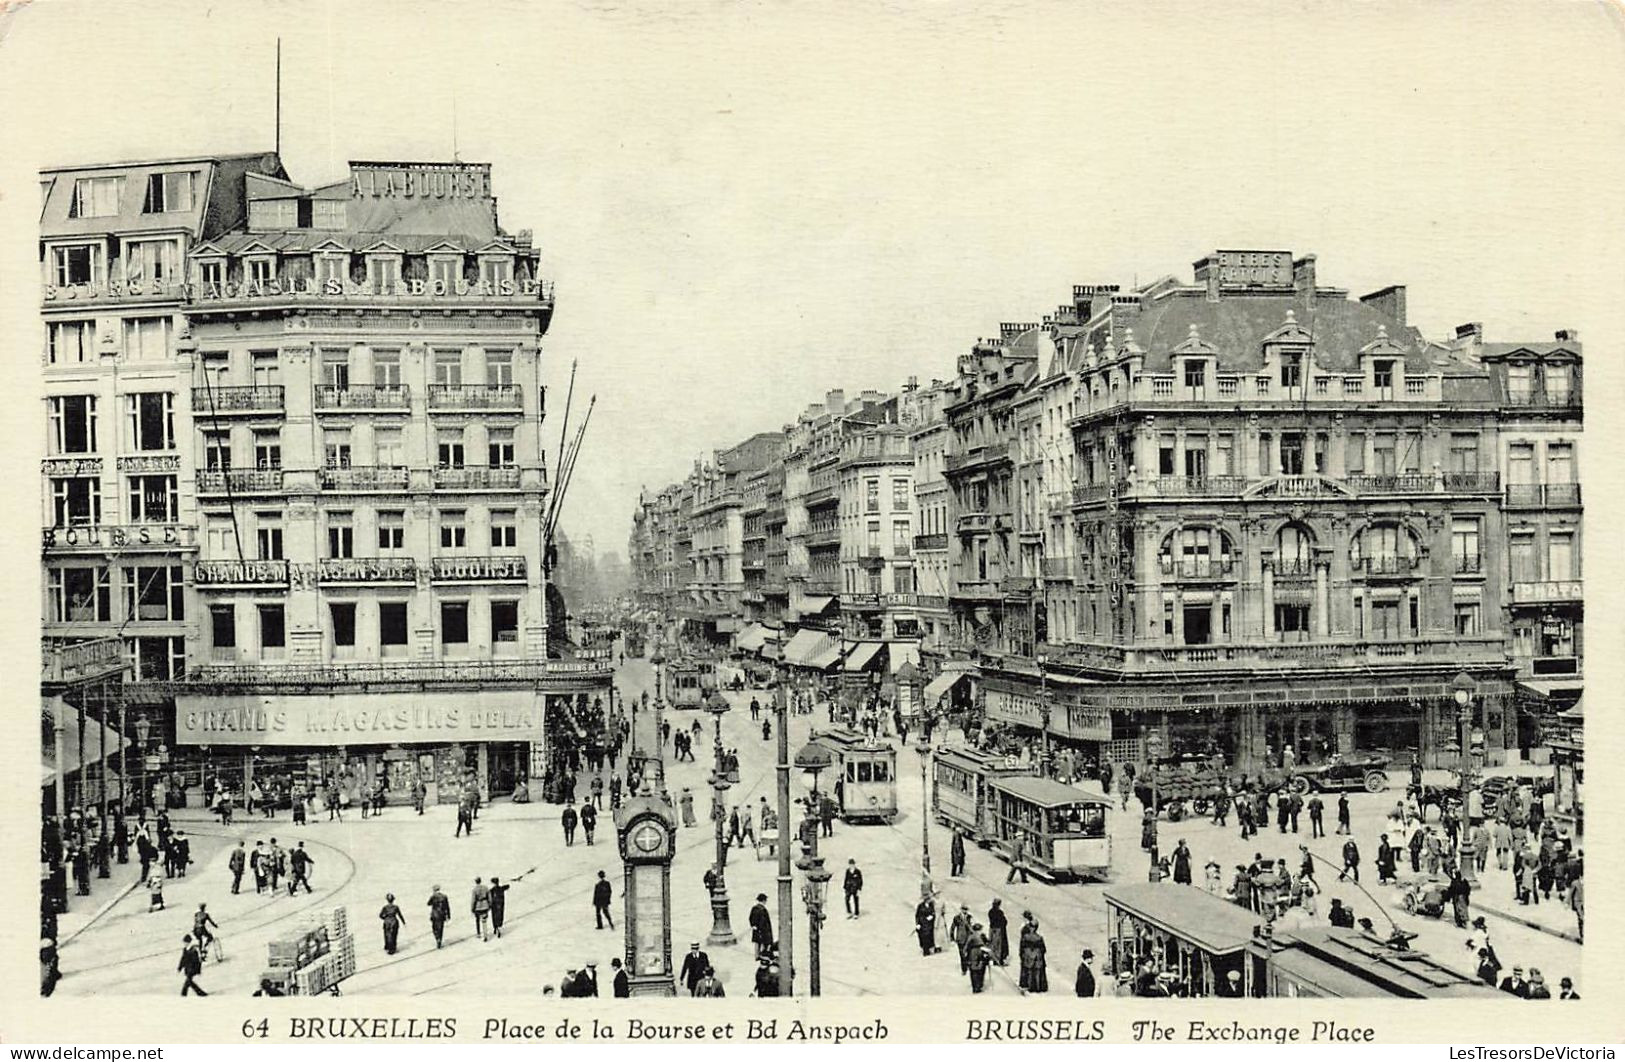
746 205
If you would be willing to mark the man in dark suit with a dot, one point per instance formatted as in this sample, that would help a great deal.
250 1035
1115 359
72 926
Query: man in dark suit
761 926
191 965
622 986
1086 976
601 894
695 963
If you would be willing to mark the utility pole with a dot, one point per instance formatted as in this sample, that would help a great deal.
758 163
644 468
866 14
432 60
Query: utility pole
787 909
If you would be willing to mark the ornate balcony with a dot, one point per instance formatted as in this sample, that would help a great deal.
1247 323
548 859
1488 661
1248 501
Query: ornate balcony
991 453
930 542
392 479
974 523
66 663
1200 486
385 398
474 396
1058 569
1542 495
458 673
208 401
239 481
474 477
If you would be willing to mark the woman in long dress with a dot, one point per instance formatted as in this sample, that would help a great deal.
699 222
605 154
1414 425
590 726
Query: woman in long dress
998 934
1034 977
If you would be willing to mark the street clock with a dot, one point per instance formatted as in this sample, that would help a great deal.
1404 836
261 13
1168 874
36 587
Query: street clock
646 829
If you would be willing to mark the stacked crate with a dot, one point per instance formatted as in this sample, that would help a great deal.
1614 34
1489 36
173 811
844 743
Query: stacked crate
316 958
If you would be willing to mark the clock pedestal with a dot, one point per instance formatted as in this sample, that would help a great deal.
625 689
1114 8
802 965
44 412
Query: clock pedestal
646 830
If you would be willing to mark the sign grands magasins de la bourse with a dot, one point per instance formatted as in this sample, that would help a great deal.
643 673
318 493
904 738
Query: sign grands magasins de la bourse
416 718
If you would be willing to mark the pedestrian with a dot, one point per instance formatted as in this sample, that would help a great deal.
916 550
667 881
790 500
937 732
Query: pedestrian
1086 976
589 819
956 855
925 925
465 818
300 863
1566 989
1577 904
1317 817
852 885
155 892
1503 844
1343 822
708 985
1182 863
191 965
1213 874
977 957
1244 816
1306 864
621 985
393 920
998 933
696 965
1283 811
1458 893
480 904
1489 965
1351 860
959 932
1537 986
1034 976
1125 786
202 922
1221 806
1387 860
1414 846
597 793
439 915
761 927
420 794
601 894
1018 861
568 820
1295 808
238 862
256 862
499 904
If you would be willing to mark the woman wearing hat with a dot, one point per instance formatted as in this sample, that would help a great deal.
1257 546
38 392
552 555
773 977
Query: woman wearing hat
1034 977
393 919
998 933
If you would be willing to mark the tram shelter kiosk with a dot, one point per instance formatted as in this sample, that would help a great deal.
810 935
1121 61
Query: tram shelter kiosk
1191 936
646 830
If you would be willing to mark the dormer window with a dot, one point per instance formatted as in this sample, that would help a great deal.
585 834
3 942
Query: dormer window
259 270
168 193
95 197
1291 368
327 214
73 266
211 274
384 272
445 270
496 270
151 261
1382 377
266 214
331 267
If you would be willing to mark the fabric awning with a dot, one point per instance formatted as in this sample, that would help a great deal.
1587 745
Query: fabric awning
816 603
940 685
826 658
862 655
1549 687
801 649
751 638
67 721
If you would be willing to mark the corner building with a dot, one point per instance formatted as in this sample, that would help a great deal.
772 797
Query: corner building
370 485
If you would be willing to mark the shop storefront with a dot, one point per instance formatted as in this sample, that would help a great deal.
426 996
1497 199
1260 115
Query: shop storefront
354 742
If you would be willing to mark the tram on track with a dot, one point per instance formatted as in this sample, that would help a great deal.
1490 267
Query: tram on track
865 774
962 794
1063 832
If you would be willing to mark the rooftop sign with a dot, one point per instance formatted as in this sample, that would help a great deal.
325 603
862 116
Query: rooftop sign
420 180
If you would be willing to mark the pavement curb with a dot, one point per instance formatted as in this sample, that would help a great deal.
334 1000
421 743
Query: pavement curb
93 919
1530 923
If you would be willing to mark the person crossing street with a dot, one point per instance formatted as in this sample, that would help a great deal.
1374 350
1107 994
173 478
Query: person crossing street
393 920
439 915
601 895
852 885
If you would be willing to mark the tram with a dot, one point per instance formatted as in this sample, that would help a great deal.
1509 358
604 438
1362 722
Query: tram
1063 831
690 682
962 794
865 775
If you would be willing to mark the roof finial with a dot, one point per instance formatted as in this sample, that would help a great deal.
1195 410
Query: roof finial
1291 318
1193 332
1382 332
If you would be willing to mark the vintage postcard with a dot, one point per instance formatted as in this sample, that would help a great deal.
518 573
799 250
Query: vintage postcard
775 523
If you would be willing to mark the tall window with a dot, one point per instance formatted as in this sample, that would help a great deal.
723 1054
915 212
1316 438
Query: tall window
1521 463
259 271
154 500
155 593
454 624
1464 544
273 631
453 529
267 450
153 262
391 531
268 535
1294 550
70 342
499 444
95 197
1559 381
1291 453
1291 368
266 372
392 627
445 271
871 495
336 448
449 448
1560 462
1196 456
504 624
1521 558
1560 555
1384 455
496 269
223 626
331 267
499 368
80 595
342 615
386 368
1463 452
1385 621
77 265
217 451
76 501
872 541
388 449
157 659
384 271
151 420
448 368
336 368
340 535
504 529
1519 381
1224 455
147 338
1467 617
168 192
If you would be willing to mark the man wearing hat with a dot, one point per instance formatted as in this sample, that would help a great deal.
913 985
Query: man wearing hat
622 985
977 957
1565 989
1086 976
767 979
959 931
695 965
439 915
601 895
1537 986
1514 984
587 981
569 987
761 927
1232 985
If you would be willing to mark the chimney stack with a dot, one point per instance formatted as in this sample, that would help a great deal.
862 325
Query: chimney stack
1389 300
835 402
1303 276
1568 335
1475 329
1207 275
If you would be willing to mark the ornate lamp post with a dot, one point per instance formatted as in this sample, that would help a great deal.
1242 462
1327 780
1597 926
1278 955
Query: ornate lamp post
787 951
1153 745
722 932
143 728
813 893
925 811
811 761
1463 687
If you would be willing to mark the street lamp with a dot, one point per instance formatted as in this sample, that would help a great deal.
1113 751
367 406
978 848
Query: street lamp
1153 745
1463 687
925 812
814 893
721 930
143 728
786 901
813 759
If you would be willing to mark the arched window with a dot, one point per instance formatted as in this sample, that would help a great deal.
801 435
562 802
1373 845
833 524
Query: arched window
1385 547
1294 550
1196 553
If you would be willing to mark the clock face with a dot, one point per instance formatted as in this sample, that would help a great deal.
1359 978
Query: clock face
648 838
